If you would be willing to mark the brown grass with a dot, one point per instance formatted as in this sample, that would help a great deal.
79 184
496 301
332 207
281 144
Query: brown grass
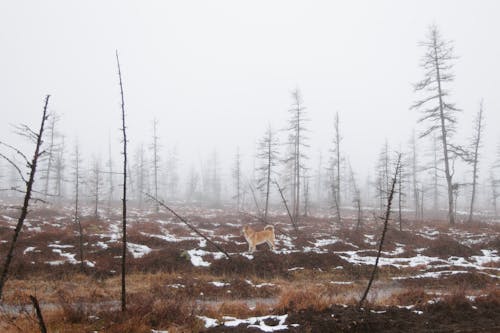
304 297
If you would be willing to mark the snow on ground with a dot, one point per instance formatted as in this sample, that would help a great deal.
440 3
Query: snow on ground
260 285
477 262
428 233
29 249
196 257
70 257
138 250
252 322
325 242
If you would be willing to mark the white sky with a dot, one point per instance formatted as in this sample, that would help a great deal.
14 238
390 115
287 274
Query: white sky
215 73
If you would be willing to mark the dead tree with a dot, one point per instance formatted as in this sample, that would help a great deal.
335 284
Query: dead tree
435 169
495 193
172 173
38 311
124 186
297 144
38 138
382 175
51 152
336 160
215 181
414 175
141 176
436 110
475 145
76 218
305 191
335 169
155 147
59 169
292 220
111 182
400 191
386 222
96 184
268 155
237 179
356 197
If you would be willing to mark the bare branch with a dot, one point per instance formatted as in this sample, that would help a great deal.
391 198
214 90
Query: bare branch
15 166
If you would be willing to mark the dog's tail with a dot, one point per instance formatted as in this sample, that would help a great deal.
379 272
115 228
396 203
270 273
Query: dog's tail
269 227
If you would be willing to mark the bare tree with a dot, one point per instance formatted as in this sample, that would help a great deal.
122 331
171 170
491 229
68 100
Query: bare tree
382 175
172 175
141 174
95 182
59 169
305 191
268 156
51 152
475 145
356 197
214 180
111 182
155 146
386 221
38 139
435 169
413 164
297 144
495 193
237 179
436 110
334 169
336 157
124 199
192 184
401 177
319 185
76 216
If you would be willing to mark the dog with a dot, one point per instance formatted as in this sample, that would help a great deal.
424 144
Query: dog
255 238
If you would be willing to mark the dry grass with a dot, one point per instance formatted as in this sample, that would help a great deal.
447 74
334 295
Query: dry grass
304 297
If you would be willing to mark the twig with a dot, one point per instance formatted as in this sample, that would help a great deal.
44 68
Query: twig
16 150
15 166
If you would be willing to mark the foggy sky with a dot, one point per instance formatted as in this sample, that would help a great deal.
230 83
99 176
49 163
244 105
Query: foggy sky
216 73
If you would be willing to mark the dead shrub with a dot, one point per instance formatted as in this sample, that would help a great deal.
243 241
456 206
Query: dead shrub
304 298
445 247
74 309
415 297
234 309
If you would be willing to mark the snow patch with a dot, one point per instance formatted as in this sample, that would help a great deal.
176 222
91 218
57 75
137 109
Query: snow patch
138 250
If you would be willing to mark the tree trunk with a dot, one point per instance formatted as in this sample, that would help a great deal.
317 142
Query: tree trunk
124 199
27 197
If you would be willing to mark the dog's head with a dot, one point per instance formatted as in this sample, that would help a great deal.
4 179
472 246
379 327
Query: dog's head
244 230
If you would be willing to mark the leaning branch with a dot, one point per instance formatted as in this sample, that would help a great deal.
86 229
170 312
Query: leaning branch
15 166
386 220
286 206
190 226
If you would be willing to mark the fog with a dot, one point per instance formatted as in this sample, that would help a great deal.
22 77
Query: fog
214 74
